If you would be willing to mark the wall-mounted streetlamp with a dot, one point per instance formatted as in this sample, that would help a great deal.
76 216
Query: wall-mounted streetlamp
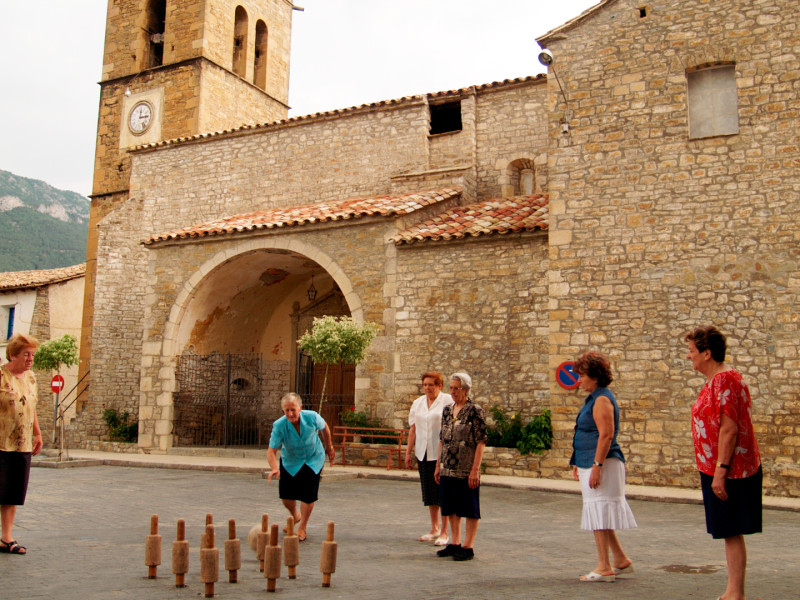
546 58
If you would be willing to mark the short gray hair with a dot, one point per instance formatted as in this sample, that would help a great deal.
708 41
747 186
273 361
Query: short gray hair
466 380
291 397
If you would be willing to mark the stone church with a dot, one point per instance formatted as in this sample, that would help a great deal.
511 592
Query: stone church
649 183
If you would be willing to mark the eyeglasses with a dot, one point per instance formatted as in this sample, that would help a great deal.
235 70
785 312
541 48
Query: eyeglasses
455 389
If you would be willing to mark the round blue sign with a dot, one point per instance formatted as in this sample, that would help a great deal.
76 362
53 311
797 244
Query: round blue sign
566 377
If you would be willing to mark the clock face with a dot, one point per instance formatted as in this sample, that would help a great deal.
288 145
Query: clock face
140 118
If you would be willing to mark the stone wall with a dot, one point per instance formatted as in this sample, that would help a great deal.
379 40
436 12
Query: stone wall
652 234
478 306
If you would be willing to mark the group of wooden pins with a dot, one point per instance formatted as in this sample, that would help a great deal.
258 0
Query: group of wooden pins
263 540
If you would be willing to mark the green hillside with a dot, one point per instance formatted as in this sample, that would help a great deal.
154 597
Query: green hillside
32 240
42 227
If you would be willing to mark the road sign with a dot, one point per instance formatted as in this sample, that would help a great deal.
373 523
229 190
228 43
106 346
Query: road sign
566 377
57 384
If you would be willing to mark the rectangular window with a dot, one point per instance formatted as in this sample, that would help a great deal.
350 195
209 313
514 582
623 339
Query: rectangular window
713 103
445 117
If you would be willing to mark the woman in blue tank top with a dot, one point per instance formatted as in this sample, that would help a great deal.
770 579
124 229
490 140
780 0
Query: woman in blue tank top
597 462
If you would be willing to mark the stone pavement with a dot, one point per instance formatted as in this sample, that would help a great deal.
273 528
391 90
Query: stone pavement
85 530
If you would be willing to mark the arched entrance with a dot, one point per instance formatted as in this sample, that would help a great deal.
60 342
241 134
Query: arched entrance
236 345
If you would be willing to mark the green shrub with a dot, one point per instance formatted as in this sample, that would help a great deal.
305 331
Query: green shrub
535 437
119 430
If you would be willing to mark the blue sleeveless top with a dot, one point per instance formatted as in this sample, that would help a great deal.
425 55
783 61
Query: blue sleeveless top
584 443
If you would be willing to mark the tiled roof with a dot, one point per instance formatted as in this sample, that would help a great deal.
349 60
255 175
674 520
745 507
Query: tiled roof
308 214
20 280
339 112
490 217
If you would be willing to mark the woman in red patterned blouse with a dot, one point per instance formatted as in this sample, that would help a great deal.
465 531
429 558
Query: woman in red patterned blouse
726 452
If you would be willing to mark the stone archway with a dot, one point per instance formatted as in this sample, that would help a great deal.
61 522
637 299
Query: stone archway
203 311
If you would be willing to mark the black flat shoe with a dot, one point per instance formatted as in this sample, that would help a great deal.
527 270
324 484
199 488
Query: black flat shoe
464 554
449 550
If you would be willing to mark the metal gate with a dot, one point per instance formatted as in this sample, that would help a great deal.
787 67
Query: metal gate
221 401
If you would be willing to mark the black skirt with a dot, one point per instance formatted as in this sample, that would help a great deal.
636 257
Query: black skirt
303 486
740 514
15 469
430 489
460 499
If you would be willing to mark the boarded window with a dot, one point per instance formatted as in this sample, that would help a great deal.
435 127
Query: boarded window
445 117
713 104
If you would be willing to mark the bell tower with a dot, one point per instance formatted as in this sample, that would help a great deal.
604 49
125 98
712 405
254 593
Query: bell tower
176 68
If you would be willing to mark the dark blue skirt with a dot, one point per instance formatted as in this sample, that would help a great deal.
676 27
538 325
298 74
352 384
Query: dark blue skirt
740 514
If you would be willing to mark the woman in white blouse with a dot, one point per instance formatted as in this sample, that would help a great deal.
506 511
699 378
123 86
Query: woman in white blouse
425 422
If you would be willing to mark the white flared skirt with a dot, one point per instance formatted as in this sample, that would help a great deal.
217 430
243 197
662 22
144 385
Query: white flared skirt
606 506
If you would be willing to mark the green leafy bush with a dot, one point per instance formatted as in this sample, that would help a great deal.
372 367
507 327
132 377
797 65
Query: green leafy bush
535 437
119 430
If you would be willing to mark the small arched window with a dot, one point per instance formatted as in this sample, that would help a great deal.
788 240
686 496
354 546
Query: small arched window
240 42
260 60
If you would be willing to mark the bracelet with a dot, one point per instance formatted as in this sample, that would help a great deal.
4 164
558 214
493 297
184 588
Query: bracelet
597 464
724 466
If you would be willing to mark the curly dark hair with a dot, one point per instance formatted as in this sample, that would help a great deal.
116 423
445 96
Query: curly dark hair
708 337
596 366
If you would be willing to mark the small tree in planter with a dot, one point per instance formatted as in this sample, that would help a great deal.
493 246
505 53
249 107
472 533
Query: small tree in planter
337 339
51 356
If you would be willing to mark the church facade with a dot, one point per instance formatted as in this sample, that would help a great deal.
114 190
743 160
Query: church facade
647 185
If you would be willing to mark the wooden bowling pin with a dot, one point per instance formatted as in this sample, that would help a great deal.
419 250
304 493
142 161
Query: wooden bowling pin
327 563
272 560
209 562
291 549
233 553
263 541
152 549
180 555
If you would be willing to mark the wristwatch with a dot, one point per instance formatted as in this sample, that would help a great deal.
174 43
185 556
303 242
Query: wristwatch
724 466
597 464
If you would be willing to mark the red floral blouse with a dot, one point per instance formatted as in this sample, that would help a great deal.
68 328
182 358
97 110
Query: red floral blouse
726 394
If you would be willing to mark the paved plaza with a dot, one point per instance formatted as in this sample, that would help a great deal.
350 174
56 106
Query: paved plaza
85 530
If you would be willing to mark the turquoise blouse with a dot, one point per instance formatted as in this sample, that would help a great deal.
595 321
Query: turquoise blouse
298 449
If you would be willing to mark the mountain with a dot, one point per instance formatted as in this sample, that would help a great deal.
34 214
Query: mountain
42 227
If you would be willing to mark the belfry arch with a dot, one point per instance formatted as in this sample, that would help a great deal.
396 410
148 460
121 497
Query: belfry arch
229 345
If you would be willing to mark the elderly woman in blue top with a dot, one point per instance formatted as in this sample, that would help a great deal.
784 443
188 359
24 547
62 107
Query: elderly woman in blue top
302 457
597 462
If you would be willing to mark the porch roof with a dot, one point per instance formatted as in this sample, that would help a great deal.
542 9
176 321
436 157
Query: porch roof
294 216
497 216
22 280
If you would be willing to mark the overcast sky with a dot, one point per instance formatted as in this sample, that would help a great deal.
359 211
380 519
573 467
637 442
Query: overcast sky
344 53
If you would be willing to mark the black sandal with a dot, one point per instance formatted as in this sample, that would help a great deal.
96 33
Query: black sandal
13 547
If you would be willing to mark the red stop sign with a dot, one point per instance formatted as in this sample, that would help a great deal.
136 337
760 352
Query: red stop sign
57 383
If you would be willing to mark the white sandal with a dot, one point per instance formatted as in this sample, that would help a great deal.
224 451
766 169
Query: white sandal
428 537
592 576
442 541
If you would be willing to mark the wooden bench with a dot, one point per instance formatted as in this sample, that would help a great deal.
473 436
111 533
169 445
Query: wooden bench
346 435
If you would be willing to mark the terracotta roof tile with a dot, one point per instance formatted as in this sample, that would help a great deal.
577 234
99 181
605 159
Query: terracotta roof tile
20 280
354 208
489 217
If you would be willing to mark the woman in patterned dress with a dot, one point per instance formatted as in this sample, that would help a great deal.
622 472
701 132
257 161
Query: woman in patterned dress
20 436
726 452
458 469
